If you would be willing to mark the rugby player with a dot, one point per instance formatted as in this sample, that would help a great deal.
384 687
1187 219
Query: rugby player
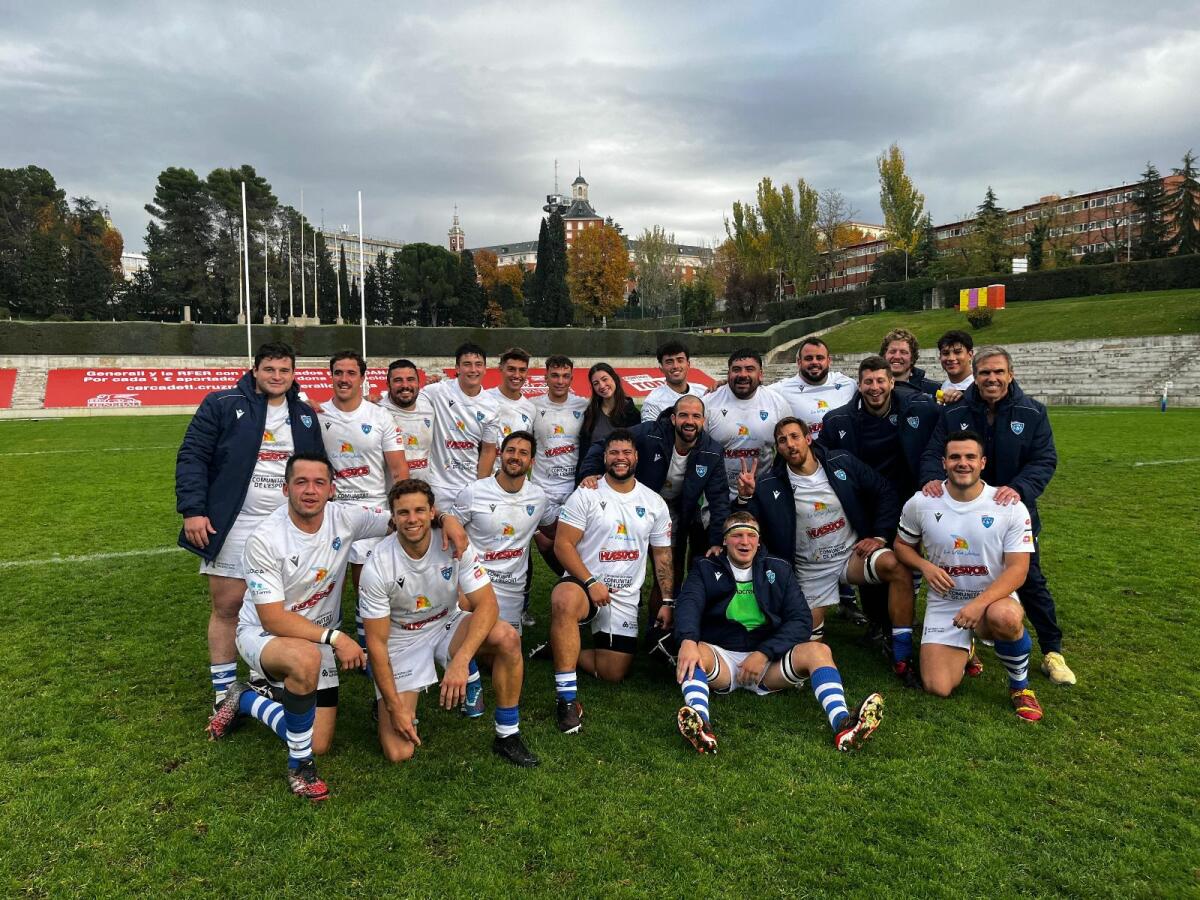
674 361
742 622
412 413
556 424
814 390
602 539
415 619
515 411
228 479
834 517
741 415
899 347
956 350
501 514
977 555
466 426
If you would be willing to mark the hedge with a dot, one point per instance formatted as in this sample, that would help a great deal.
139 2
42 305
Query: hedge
1171 273
19 338
897 295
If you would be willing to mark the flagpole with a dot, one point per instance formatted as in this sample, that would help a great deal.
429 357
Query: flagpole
362 283
339 287
303 289
266 282
291 308
316 280
246 257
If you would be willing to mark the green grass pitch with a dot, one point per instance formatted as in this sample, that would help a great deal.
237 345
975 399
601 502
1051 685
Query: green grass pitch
109 788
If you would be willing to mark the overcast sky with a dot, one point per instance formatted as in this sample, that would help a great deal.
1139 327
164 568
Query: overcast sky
673 110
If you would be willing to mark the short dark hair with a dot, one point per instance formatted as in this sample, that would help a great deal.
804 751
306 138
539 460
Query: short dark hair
672 348
305 456
514 353
275 350
401 364
559 361
965 435
811 339
469 348
790 420
349 354
745 353
409 486
522 436
674 406
619 434
873 363
950 338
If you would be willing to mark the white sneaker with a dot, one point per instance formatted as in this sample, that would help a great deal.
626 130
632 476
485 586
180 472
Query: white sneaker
1056 669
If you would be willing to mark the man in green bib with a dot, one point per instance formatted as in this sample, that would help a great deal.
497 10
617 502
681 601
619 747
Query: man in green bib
742 622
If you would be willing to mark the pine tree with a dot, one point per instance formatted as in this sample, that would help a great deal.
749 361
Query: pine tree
556 297
927 246
991 253
180 245
1149 205
472 303
1184 206
535 307
344 287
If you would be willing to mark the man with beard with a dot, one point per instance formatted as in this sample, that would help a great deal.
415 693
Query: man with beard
411 412
742 623
674 361
834 517
603 536
741 416
814 390
899 347
684 466
501 515
1020 461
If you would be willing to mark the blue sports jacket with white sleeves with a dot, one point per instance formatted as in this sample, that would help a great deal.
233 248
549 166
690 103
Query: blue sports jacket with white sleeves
219 452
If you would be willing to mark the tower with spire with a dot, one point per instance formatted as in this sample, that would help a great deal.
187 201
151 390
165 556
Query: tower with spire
579 213
458 237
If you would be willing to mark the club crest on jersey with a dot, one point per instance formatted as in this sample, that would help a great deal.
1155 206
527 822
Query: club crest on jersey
337 543
529 509
366 429
1017 427
447 572
840 474
307 420
640 510
892 418
770 576
478 417
987 521
577 413
913 421
701 471
762 414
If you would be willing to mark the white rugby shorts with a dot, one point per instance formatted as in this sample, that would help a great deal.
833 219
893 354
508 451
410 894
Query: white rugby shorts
821 581
939 627
413 654
228 562
252 639
731 661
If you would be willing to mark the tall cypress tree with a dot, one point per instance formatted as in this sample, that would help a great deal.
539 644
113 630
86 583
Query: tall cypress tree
1184 206
535 307
471 300
1149 204
556 296
344 285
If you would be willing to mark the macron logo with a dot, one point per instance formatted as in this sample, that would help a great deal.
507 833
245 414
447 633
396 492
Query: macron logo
240 413
657 457
776 493
717 576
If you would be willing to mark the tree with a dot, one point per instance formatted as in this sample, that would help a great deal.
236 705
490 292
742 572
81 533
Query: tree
93 262
697 299
179 245
377 309
426 278
926 253
472 300
747 294
382 311
653 260
1036 245
834 215
989 241
779 235
1184 207
889 266
902 204
225 191
557 308
1150 211
534 305
343 287
33 231
596 272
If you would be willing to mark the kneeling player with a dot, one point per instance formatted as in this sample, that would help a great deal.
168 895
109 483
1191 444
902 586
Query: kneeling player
742 621
978 555
410 605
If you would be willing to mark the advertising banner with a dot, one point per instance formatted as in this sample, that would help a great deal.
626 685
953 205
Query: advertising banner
8 380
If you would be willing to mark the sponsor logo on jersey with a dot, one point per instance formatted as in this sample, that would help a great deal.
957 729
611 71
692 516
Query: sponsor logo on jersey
268 437
460 445
447 571
315 598
619 555
955 571
558 429
273 455
418 464
460 424
507 430
818 506
621 529
410 440
743 453
828 528
1027 539
495 555
347 447
559 451
987 521
742 431
1017 427
352 472
821 404
366 428
422 602
320 576
507 530
478 570
960 542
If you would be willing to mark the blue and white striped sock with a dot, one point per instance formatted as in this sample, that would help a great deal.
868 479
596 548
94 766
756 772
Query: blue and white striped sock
565 685
508 720
299 714
269 712
222 675
827 686
1015 657
695 692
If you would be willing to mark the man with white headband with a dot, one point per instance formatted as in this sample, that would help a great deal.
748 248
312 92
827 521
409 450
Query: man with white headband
742 622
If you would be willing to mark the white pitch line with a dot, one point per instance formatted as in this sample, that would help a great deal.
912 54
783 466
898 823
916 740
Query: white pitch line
91 450
85 558
1167 462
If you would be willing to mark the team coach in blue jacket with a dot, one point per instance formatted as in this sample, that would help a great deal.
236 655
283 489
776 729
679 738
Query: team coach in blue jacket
229 477
681 463
1021 459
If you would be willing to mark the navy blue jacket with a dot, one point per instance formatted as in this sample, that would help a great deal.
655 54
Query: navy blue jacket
219 452
1019 445
701 605
918 383
918 415
872 508
704 474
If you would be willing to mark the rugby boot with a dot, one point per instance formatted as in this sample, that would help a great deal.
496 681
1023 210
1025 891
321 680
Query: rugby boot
472 705
512 749
695 730
974 666
1026 704
906 671
303 781
226 713
569 714
861 725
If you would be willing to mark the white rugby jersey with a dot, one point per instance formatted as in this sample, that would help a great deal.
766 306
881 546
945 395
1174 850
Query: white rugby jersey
416 593
461 425
305 571
501 525
414 430
966 540
512 415
823 533
556 427
664 396
265 494
810 402
355 443
745 428
947 384
618 530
